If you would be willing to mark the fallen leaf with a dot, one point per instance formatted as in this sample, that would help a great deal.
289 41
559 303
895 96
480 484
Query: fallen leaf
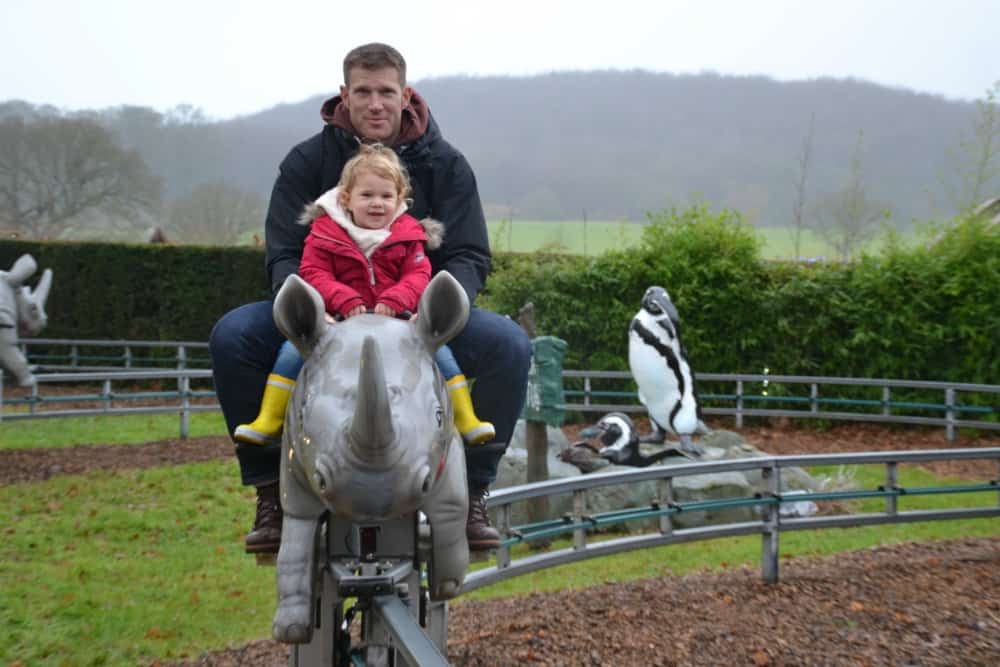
761 659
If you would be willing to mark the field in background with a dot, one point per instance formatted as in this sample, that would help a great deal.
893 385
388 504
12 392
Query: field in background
594 237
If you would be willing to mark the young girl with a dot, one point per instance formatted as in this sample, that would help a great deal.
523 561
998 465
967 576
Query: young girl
364 254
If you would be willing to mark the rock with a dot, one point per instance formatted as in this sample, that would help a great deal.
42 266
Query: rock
719 445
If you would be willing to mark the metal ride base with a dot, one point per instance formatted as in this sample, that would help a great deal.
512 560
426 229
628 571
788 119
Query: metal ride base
371 572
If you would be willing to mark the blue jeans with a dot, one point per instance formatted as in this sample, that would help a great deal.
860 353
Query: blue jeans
289 362
492 349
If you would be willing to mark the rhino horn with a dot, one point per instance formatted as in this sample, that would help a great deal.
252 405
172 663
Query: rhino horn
372 432
41 292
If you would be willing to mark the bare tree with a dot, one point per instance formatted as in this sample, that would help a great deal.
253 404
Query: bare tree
799 204
216 213
976 160
847 219
53 169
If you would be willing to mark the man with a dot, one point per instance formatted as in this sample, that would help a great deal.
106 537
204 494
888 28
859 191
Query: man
376 105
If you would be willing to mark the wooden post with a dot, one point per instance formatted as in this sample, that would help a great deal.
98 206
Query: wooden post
536 437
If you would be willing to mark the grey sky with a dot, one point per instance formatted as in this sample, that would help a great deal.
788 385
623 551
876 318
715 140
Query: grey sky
233 58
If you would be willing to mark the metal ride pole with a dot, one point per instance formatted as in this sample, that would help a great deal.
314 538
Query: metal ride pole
378 564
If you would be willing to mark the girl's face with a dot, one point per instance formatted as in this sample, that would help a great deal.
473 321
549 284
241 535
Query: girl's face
373 201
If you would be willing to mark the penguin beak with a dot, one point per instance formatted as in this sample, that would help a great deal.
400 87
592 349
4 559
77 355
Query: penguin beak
591 432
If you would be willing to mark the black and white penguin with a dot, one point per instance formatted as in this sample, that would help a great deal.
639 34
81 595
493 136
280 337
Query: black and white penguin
661 370
620 442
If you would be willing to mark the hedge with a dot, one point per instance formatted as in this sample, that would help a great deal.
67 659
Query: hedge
929 311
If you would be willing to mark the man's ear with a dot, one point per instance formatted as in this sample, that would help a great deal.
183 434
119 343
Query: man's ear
407 94
344 97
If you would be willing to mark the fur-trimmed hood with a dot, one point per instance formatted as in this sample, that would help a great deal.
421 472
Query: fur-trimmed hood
329 204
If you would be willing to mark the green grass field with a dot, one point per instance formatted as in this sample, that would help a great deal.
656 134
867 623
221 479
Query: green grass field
131 567
594 237
123 429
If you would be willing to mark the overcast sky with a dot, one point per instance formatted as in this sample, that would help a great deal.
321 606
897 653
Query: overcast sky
231 58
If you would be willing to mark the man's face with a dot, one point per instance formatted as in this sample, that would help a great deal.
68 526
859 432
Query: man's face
375 100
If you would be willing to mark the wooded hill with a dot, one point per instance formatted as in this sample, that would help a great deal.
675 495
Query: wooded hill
614 145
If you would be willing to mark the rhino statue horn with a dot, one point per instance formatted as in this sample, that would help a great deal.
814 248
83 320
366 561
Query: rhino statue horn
372 432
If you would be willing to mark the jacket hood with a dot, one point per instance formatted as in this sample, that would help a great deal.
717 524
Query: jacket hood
329 205
413 124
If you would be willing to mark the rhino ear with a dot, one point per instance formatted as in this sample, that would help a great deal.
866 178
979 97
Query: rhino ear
444 310
299 314
41 292
21 271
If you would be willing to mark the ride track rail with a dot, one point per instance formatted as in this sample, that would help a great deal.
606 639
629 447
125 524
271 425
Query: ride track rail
770 525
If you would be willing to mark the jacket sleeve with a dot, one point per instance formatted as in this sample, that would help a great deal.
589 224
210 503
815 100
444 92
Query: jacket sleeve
465 252
317 269
414 276
297 185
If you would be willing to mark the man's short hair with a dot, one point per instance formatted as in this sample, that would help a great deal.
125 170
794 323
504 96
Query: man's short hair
372 57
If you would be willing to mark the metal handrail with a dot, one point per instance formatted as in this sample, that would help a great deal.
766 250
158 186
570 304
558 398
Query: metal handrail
888 409
183 395
769 526
75 360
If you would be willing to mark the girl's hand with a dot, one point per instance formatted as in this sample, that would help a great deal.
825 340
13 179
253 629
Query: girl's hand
382 309
358 310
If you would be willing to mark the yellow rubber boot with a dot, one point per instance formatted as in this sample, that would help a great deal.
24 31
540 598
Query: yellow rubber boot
266 429
473 431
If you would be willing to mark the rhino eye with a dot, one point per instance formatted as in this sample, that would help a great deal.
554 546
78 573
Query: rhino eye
439 416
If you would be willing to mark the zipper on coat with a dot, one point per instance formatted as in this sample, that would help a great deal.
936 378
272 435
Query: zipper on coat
371 271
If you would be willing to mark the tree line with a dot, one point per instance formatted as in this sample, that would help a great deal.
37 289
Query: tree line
842 157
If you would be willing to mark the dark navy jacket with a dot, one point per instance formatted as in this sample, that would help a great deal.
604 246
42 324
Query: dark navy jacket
444 188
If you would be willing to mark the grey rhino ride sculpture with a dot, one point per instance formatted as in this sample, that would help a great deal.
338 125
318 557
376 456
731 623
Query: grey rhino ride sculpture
368 436
22 311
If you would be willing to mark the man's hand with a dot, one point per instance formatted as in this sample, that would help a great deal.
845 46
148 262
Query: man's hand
382 309
358 310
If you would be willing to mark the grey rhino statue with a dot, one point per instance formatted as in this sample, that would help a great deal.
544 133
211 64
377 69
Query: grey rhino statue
368 436
22 311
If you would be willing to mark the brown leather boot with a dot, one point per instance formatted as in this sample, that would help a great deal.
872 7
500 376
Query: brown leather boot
265 538
481 534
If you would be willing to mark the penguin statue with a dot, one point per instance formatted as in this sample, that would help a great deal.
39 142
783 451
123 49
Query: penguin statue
661 370
620 443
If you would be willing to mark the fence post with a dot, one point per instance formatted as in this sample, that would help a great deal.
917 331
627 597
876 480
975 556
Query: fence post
886 399
949 402
503 525
579 510
1 397
181 357
106 393
666 502
74 355
770 533
128 357
536 437
739 404
891 478
185 386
